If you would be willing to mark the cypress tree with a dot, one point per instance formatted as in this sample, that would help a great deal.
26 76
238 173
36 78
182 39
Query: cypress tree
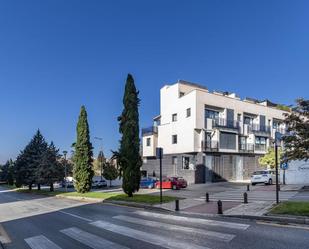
82 171
129 159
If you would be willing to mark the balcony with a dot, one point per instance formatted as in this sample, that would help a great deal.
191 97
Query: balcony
210 145
260 147
259 129
150 130
246 148
224 123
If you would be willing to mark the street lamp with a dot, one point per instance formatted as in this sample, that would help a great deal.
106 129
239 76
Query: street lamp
65 169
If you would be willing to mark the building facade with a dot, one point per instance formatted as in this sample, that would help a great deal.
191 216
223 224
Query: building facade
209 136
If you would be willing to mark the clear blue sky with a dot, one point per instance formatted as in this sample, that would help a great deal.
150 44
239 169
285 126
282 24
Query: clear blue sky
57 55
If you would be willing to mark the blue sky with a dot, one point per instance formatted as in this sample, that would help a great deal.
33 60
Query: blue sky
57 55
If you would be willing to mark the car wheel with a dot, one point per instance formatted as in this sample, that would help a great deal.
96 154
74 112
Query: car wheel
174 187
270 182
253 184
149 186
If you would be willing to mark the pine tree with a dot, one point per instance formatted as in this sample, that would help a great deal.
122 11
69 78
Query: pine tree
129 159
83 172
51 169
10 177
28 162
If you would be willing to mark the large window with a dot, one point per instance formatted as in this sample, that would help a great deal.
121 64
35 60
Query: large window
260 143
174 139
227 141
211 114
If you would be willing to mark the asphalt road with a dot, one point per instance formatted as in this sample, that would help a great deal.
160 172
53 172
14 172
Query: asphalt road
53 223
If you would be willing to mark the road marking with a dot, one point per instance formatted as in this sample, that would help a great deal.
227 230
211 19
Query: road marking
282 225
41 242
194 220
90 240
4 237
158 240
215 235
76 216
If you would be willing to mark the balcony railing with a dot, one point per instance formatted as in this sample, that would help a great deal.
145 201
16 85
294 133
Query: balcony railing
210 145
150 130
281 130
259 128
248 148
222 122
260 147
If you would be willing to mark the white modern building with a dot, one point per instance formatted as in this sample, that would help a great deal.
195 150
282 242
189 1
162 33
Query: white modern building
209 136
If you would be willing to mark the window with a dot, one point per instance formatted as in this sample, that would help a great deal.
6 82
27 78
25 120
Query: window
211 114
227 141
185 162
248 120
260 143
188 112
174 117
181 94
174 160
174 139
148 141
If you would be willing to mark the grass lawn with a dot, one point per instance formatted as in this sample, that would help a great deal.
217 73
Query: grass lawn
138 198
292 208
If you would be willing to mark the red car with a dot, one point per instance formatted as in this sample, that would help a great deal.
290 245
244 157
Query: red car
172 183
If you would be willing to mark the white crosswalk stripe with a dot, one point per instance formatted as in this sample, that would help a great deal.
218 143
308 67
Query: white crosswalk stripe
154 239
41 242
90 240
191 220
211 234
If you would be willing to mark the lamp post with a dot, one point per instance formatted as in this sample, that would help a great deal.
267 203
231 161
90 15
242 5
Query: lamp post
65 169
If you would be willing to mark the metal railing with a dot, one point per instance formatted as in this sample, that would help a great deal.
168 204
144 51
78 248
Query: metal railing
222 122
259 128
246 148
209 145
150 130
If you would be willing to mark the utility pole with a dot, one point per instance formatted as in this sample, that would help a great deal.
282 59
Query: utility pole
277 140
160 154
65 170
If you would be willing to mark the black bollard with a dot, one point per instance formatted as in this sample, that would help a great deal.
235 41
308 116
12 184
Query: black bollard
176 205
207 197
220 207
245 198
248 187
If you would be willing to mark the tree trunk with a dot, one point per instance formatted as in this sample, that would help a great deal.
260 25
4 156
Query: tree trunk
30 186
39 186
51 189
110 183
130 194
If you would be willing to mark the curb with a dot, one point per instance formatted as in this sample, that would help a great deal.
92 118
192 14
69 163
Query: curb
77 198
286 220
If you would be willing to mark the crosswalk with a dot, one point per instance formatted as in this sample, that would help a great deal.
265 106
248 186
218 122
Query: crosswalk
236 195
143 226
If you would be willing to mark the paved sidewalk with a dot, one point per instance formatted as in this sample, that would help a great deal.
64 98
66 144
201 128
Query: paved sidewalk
257 208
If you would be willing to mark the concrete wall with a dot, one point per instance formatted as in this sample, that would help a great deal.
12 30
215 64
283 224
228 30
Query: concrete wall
149 151
297 173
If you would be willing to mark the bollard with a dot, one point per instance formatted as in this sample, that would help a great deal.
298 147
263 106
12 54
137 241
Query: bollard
248 187
245 198
207 197
220 207
176 205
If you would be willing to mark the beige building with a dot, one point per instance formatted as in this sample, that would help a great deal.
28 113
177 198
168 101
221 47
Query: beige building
209 136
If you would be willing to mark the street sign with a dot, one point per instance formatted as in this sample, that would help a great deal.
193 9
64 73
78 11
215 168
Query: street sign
284 165
159 152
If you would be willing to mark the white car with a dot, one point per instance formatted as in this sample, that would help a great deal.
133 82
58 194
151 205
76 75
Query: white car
263 176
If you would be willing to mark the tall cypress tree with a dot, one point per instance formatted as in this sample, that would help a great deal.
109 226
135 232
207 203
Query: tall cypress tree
82 171
129 158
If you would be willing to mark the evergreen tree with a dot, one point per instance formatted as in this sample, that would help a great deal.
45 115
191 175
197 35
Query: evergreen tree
28 162
10 177
51 170
128 156
110 172
4 170
82 172
297 142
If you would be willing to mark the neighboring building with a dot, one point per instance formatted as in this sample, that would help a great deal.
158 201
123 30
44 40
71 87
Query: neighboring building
296 173
209 136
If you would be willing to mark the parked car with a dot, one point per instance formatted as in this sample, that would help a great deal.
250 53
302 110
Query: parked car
263 176
99 183
68 182
147 182
172 183
182 182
